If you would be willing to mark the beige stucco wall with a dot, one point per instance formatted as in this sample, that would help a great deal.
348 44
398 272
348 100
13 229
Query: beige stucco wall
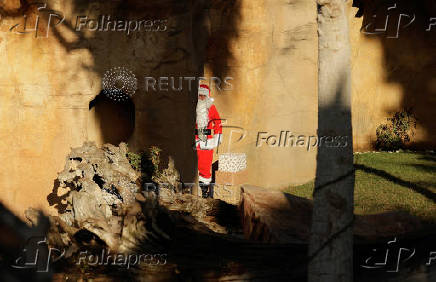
47 83
268 47
274 65
391 73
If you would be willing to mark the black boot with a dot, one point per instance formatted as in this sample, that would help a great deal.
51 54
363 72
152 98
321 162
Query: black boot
211 190
204 190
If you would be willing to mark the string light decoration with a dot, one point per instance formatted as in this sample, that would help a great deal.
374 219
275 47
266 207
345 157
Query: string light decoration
119 84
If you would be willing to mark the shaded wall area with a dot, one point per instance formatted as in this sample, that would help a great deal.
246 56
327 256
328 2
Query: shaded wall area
50 84
272 59
393 67
51 87
52 77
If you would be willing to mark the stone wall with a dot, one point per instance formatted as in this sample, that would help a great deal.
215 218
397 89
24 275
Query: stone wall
51 79
273 62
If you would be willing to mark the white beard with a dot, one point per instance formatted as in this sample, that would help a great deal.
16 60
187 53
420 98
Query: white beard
203 114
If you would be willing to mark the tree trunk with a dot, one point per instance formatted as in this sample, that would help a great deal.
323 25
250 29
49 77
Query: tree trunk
331 242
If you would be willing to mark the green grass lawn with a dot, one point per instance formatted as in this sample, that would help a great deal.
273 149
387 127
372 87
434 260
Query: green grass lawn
390 182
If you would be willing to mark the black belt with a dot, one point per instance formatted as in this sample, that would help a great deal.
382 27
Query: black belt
203 131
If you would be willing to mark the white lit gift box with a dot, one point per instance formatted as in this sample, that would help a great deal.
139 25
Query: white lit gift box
231 174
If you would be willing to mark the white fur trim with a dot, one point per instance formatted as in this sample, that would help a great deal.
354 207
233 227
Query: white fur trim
203 116
203 91
203 145
205 180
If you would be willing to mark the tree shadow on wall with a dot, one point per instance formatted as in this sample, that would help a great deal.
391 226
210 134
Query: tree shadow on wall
166 118
408 53
199 33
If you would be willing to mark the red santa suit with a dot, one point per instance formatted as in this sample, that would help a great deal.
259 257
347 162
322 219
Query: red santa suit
208 134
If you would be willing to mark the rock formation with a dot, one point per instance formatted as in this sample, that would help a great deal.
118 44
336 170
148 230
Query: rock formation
103 200
101 197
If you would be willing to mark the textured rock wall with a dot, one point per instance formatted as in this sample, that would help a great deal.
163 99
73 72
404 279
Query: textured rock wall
273 60
49 85
269 48
50 80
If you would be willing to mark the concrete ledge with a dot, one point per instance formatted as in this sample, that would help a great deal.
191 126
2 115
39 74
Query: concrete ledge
228 193
277 217
273 216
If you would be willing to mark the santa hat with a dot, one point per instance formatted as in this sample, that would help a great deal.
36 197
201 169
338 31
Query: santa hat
203 89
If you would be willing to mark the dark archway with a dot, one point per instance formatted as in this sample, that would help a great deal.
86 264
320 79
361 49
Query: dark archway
116 119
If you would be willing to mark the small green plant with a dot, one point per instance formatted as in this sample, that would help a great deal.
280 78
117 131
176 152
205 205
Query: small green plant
135 160
154 157
147 163
395 135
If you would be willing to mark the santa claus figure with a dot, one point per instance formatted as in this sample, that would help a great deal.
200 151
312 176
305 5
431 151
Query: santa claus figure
208 137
